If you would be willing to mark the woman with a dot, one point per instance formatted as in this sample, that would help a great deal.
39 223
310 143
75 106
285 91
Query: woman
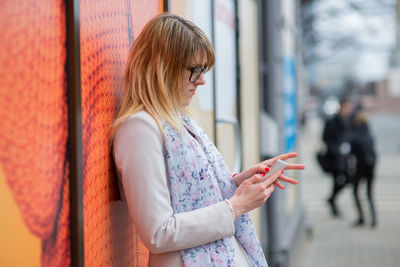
187 208
362 147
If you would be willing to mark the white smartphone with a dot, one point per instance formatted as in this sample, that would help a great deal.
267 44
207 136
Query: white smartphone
278 166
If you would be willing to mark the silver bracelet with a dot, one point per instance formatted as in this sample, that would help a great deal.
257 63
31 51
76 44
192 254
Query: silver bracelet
228 202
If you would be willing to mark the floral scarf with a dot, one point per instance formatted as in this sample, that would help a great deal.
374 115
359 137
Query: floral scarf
199 177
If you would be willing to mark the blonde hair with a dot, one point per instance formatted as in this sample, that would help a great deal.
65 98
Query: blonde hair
361 118
154 70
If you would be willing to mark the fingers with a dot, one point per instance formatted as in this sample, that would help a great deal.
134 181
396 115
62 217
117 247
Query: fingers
255 178
270 162
259 168
285 156
278 184
286 179
272 178
295 167
268 191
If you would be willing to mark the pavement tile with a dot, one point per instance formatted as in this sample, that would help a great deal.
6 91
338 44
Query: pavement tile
333 241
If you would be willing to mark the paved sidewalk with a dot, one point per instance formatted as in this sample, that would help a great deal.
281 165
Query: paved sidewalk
333 241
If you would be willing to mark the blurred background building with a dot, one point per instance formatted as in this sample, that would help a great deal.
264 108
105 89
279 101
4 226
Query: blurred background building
281 66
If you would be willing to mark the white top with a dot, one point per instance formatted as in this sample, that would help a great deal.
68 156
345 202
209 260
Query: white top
141 167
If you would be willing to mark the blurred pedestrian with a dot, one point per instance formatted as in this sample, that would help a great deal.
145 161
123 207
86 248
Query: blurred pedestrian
362 147
336 136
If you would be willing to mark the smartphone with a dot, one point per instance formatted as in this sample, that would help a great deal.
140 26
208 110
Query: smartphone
278 166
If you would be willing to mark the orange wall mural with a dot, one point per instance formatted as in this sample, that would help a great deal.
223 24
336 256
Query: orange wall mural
33 131
107 29
34 179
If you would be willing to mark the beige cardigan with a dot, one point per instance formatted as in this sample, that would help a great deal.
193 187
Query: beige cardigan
141 167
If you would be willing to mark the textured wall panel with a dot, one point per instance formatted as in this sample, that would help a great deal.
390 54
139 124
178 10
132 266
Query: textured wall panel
33 119
107 30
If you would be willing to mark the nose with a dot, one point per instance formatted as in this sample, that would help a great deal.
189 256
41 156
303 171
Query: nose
201 80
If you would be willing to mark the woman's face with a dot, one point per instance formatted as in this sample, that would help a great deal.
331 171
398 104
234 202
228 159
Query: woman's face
188 86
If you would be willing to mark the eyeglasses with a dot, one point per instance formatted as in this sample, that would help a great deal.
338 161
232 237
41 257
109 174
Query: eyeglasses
196 72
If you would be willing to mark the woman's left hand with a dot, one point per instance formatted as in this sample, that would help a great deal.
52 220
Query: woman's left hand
264 167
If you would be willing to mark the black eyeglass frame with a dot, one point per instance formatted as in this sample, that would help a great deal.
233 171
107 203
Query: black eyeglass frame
197 71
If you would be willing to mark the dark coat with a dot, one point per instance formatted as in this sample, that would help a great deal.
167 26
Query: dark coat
337 133
362 146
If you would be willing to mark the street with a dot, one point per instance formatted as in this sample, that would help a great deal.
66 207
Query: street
334 241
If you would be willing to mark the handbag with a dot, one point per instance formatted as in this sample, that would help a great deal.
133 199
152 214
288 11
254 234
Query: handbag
324 161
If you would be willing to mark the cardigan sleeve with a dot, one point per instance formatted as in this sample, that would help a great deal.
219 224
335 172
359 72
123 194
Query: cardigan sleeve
141 166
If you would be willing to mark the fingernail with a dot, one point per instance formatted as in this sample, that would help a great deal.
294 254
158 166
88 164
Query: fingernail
262 174
267 169
282 171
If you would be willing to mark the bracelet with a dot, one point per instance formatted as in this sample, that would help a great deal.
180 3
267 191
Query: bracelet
228 202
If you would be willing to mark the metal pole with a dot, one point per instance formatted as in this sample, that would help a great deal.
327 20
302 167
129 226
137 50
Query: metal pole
75 132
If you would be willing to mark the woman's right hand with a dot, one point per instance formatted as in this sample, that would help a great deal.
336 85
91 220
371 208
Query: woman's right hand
252 194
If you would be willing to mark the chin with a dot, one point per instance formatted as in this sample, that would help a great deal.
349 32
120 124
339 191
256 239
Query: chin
187 101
